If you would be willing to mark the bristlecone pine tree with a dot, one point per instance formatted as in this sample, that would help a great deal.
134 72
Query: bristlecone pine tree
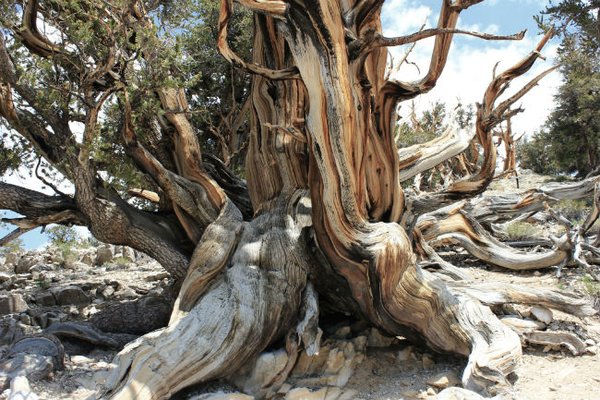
323 212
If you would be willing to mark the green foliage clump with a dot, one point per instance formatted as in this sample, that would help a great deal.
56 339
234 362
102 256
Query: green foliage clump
573 210
570 139
65 239
60 235
120 261
591 286
522 231
14 246
537 154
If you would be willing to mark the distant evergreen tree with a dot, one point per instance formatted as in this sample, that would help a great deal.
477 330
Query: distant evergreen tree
570 140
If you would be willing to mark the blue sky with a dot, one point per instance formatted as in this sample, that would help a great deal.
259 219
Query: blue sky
31 240
468 70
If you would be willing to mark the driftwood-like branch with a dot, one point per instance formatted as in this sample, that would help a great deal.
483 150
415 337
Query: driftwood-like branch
452 225
567 339
594 214
503 207
498 293
422 157
446 268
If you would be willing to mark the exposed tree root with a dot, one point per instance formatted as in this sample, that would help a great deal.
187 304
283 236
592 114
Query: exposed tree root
451 225
575 345
494 294
251 304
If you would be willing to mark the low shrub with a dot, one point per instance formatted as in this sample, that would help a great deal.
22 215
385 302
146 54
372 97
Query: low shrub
522 230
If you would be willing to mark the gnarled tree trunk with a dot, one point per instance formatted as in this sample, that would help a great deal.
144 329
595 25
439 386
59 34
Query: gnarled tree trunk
324 118
323 172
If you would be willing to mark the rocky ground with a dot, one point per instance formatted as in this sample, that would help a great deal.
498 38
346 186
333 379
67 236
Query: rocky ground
65 312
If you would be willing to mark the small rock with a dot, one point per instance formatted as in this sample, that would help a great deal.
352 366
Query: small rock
71 295
431 392
542 314
157 276
4 277
253 378
127 293
335 361
87 259
410 394
25 319
81 360
444 380
590 342
104 254
25 262
377 339
128 253
12 303
592 350
343 332
427 361
34 366
76 265
108 292
45 299
12 258
406 354
20 390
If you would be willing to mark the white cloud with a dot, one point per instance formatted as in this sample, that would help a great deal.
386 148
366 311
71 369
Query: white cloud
400 17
